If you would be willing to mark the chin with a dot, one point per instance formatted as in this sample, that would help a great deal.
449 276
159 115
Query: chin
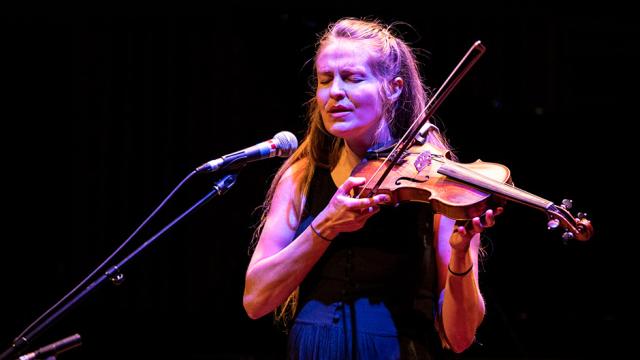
341 130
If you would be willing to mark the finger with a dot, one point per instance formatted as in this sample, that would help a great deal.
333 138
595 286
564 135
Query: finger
460 230
489 218
367 202
477 225
349 184
382 198
369 212
486 219
361 204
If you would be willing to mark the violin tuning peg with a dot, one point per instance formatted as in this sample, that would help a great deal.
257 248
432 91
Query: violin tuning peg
582 215
552 224
567 203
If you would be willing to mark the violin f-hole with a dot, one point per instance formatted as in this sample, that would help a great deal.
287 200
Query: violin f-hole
398 180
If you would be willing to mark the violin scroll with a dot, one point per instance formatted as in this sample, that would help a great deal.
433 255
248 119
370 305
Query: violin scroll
578 227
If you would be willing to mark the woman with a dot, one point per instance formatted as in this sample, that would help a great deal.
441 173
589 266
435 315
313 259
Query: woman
355 284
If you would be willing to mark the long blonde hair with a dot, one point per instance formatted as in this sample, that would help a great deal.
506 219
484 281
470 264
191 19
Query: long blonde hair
394 58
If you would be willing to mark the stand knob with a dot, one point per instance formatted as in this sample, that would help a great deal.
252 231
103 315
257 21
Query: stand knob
115 275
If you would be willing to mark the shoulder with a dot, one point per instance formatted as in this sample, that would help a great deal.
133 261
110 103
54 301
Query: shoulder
294 174
288 187
286 202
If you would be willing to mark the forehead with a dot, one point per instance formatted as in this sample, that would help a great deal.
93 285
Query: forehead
344 54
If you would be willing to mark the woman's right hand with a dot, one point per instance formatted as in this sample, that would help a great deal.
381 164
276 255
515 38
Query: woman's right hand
345 213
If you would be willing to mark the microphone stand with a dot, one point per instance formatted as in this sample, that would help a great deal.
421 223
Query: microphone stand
53 349
113 273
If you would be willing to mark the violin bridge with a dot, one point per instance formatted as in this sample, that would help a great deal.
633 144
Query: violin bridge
422 161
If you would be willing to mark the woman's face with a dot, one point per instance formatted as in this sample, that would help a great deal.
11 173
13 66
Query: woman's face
348 94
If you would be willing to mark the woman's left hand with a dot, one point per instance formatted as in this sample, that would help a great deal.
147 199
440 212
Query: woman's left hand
461 237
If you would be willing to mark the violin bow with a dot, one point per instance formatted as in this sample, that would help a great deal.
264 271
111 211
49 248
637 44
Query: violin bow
470 58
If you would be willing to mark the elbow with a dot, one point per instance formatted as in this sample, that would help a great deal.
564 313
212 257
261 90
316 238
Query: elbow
461 337
251 307
260 297
254 305
460 341
460 345
254 299
250 299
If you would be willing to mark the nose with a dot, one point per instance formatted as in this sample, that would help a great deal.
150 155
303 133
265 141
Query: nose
337 89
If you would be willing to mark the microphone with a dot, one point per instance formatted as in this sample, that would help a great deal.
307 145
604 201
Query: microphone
283 144
54 348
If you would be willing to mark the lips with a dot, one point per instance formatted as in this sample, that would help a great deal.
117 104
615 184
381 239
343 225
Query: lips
339 109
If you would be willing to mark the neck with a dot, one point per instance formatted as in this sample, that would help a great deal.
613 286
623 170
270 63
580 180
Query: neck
355 149
359 148
347 161
350 158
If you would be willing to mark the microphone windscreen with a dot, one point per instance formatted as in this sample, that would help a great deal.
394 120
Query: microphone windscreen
288 143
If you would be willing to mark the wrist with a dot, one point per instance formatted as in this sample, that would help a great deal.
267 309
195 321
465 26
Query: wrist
325 225
460 263
459 256
321 227
324 235
459 273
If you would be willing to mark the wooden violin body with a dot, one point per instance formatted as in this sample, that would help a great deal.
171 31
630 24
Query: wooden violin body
416 178
459 191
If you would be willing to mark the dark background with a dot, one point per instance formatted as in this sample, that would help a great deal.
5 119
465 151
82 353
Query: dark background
105 115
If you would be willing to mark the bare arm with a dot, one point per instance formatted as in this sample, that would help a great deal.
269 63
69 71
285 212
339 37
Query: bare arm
462 305
280 262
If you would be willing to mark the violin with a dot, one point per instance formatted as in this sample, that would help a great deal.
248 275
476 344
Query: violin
415 170
462 191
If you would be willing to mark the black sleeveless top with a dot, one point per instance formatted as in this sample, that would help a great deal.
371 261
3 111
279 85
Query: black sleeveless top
391 260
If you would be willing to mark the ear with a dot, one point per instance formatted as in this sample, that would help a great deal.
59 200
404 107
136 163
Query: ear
395 88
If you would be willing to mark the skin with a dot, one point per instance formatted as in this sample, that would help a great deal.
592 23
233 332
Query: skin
348 95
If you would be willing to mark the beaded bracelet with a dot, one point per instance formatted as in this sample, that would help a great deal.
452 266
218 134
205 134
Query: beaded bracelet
318 234
460 273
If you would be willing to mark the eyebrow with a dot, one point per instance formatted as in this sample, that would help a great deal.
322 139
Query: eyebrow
347 69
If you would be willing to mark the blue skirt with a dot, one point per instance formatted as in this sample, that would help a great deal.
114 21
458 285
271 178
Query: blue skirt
358 330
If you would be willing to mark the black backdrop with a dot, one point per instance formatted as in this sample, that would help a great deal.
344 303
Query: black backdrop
112 112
